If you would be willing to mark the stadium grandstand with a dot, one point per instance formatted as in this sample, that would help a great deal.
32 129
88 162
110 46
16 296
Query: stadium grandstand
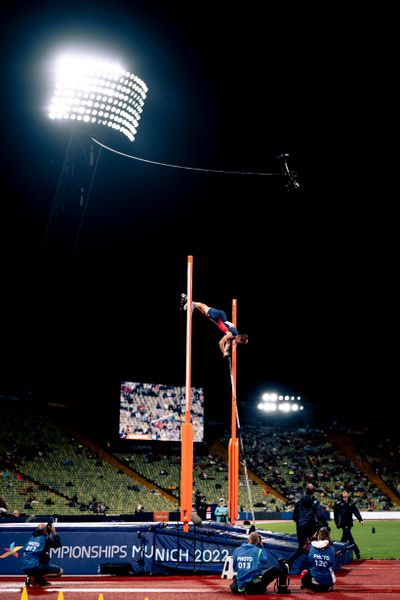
47 467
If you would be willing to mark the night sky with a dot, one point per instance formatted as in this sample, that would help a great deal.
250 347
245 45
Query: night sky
229 90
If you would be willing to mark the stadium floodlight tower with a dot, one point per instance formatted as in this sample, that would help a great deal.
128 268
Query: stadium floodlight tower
97 92
90 95
274 403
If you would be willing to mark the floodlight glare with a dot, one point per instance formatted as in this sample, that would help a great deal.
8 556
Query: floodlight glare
273 402
97 92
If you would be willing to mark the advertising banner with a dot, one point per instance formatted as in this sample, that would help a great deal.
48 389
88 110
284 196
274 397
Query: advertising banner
157 548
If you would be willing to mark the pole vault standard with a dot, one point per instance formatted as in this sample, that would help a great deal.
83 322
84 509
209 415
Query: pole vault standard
233 449
187 429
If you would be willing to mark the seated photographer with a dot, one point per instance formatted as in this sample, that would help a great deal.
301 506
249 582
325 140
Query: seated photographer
36 557
250 562
319 575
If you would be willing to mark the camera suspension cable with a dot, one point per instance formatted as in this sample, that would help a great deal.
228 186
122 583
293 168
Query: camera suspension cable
243 461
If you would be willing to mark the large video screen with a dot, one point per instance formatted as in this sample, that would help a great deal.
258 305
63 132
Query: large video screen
153 411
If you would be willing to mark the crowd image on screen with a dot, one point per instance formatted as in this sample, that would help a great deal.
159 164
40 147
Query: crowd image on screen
155 412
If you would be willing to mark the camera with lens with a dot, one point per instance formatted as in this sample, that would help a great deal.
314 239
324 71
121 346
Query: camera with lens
49 526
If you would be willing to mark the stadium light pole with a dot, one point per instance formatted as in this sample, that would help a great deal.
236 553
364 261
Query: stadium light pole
90 94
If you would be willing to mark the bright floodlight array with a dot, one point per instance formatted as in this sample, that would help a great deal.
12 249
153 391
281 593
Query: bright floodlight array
274 403
97 92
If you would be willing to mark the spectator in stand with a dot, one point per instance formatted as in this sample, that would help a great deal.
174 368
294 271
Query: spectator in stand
101 508
309 517
221 512
319 576
201 508
343 511
35 555
197 498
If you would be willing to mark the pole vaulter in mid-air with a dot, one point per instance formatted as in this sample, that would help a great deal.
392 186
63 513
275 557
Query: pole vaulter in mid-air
231 337
219 318
228 348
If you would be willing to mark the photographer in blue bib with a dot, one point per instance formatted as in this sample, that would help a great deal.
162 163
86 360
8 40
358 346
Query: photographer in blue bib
36 558
319 575
253 573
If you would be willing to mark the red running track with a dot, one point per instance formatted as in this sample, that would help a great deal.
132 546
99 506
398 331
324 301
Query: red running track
362 580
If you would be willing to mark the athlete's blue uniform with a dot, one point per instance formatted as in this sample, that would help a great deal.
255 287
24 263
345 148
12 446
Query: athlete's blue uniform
219 317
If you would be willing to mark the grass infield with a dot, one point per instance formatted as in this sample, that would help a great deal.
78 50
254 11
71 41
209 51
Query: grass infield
376 539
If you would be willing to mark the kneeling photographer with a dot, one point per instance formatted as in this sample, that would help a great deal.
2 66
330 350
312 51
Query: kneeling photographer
36 555
253 573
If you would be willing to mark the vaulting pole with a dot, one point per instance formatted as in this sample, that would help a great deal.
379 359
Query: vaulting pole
233 449
187 429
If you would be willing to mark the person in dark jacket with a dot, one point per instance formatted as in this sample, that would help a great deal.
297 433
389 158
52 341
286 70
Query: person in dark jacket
343 511
309 517
201 508
35 557
250 562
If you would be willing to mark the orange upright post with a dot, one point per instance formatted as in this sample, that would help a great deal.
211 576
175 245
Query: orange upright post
233 450
187 429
